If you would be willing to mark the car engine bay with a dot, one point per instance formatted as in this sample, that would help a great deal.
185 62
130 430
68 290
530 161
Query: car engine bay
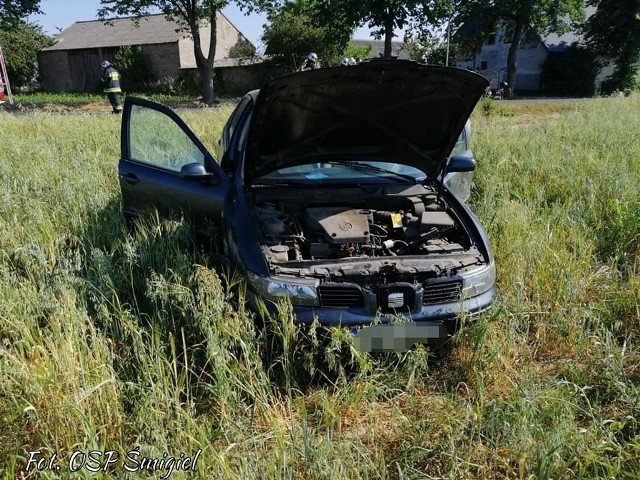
337 238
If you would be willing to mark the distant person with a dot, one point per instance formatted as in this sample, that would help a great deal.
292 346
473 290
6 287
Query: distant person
505 90
111 81
1 91
311 62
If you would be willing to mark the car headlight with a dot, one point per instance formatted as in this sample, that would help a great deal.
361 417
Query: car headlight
479 281
301 291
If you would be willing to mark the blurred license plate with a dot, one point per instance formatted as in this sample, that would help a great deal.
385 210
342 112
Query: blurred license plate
397 337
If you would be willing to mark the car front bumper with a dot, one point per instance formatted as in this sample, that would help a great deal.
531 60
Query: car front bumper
386 332
348 317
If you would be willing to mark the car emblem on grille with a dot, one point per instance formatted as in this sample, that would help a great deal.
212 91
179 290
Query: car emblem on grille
395 300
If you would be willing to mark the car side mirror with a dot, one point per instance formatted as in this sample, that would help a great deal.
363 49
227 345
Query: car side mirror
195 171
460 163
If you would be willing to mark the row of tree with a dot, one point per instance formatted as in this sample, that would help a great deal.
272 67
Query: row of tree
325 26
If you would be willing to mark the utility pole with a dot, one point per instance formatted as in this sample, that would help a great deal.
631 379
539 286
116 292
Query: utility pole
4 78
446 61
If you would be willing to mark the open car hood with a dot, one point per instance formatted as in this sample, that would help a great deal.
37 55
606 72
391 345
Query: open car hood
384 110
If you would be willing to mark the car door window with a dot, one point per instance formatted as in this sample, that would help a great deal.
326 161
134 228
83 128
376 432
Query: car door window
230 128
461 145
155 139
237 113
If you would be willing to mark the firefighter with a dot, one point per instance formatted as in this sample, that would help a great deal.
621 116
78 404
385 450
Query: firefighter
111 81
311 62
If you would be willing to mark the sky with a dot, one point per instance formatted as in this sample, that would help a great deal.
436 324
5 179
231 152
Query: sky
60 14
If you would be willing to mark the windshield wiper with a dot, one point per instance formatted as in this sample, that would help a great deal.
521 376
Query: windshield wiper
273 183
372 168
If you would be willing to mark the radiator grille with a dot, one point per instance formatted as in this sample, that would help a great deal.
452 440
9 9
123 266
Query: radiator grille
442 292
340 296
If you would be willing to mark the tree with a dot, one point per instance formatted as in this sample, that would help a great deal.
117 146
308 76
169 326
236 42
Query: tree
523 18
134 67
243 49
20 43
613 32
385 16
356 51
189 14
297 28
14 10
570 73
427 48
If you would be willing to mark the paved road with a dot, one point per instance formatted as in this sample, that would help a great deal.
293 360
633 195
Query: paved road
549 100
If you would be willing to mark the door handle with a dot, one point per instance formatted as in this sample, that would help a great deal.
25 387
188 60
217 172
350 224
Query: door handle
131 178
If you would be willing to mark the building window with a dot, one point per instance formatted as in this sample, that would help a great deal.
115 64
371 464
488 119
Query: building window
491 39
484 65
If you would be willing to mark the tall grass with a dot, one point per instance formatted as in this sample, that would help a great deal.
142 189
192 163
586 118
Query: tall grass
113 341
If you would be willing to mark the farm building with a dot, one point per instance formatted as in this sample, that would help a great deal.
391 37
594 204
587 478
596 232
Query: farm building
398 49
73 63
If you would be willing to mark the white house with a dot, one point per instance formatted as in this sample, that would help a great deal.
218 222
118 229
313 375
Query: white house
491 58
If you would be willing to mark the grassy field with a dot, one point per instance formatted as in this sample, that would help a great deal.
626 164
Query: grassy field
113 342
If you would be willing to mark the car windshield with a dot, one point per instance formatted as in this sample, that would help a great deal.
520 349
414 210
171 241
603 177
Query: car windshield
347 171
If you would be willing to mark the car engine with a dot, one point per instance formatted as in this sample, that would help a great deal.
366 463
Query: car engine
389 227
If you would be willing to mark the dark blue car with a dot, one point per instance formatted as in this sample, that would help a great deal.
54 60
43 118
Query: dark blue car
329 190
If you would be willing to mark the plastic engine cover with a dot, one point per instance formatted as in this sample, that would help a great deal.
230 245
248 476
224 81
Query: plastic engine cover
340 224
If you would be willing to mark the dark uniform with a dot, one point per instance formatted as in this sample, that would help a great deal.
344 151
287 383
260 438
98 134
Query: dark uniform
111 81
